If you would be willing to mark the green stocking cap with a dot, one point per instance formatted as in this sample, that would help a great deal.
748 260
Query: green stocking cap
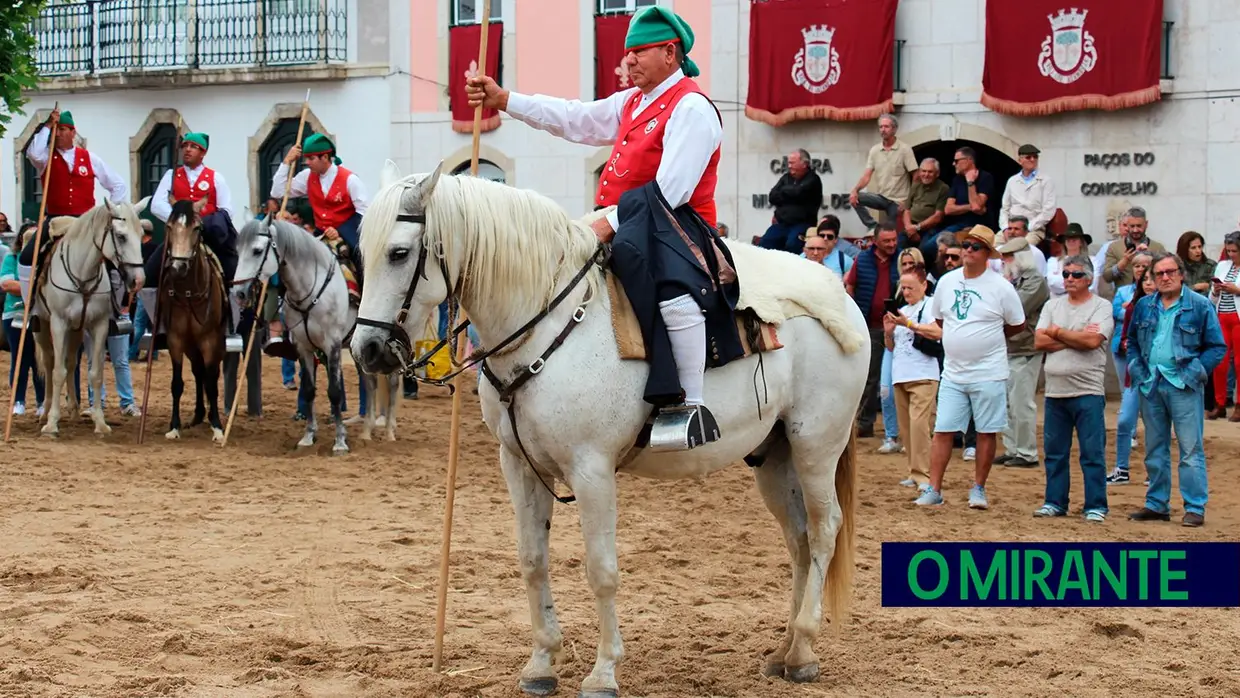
658 25
318 143
201 140
66 118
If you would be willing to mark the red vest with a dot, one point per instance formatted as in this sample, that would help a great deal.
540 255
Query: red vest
204 188
71 193
638 150
334 208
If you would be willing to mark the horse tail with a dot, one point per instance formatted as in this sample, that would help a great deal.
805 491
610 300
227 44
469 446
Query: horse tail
843 563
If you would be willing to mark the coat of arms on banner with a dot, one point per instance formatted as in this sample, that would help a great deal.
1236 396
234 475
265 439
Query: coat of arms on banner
817 65
622 72
1068 53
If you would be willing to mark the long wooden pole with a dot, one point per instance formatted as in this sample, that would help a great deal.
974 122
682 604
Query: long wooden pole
34 272
243 370
150 349
457 391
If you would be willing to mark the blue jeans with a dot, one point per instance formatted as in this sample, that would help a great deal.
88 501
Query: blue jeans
288 370
118 350
1164 407
891 424
141 323
1085 414
24 368
784 237
1129 408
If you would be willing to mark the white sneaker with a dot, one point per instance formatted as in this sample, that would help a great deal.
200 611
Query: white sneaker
891 446
19 408
970 454
131 411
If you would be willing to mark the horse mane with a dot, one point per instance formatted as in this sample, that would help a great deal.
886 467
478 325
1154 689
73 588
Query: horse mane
98 217
183 210
510 244
291 239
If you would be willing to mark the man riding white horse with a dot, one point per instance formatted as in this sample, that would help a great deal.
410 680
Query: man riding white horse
338 199
194 181
666 251
71 191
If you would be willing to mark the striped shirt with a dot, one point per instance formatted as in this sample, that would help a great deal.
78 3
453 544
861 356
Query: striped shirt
1227 301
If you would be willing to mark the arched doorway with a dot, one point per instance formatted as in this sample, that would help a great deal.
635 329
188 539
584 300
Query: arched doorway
486 170
1000 165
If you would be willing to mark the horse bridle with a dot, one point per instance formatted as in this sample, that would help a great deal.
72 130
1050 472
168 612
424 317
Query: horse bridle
300 306
79 284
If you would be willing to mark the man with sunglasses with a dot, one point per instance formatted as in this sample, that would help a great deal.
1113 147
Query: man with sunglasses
1174 342
978 309
822 246
1075 330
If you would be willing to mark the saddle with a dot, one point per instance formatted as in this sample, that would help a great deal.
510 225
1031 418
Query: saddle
349 268
774 286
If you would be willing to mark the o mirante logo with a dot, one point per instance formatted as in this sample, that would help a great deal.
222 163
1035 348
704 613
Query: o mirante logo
1061 574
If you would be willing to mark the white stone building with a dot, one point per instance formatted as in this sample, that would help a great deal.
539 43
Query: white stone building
130 72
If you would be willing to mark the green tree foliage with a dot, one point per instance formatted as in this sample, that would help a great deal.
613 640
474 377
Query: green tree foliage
18 71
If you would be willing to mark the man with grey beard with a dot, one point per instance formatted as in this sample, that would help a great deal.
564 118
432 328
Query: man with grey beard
1020 437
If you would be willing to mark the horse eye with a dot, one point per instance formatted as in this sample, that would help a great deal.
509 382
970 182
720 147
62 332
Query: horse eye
398 255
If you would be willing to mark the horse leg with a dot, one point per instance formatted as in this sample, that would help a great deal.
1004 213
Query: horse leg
211 384
55 334
593 481
311 376
178 386
100 333
781 491
200 409
532 504
335 395
393 399
372 400
824 467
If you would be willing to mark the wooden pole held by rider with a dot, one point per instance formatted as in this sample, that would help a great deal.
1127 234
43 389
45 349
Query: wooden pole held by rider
34 272
150 349
243 369
454 436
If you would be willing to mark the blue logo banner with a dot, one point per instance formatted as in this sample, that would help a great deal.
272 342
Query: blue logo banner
1201 575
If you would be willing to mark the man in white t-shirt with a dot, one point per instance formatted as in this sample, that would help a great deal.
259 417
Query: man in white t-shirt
978 310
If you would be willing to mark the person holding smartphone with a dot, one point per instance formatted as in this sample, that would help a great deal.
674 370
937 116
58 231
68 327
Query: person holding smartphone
1225 292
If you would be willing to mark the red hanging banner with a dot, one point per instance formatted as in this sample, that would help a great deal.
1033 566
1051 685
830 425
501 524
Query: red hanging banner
820 59
463 63
610 74
1046 56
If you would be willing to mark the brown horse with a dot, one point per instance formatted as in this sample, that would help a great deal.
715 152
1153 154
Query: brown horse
193 309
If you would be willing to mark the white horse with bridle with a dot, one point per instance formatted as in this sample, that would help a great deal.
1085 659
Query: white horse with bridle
317 313
75 297
509 256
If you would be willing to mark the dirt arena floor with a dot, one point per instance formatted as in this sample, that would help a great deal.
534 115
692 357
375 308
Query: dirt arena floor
180 569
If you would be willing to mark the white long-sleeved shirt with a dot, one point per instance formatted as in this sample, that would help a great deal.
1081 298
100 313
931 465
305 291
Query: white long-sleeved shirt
114 184
1033 198
692 136
161 209
301 182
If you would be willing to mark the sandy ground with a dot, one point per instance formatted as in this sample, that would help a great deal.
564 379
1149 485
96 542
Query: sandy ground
178 568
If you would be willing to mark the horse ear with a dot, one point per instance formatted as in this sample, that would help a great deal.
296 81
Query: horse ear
390 174
427 186
141 206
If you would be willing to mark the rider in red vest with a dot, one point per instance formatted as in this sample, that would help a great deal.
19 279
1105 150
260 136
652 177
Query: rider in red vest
338 200
663 130
194 181
71 191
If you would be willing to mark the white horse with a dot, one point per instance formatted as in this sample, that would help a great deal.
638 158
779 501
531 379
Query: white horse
76 297
317 313
504 253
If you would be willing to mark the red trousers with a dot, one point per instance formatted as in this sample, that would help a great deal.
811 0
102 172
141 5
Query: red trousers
1231 334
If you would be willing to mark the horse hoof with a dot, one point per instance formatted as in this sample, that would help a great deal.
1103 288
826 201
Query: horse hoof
340 450
540 687
801 674
605 693
173 435
773 670
103 430
217 435
51 434
306 441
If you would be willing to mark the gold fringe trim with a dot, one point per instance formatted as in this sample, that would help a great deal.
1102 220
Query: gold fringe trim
468 126
1126 100
819 112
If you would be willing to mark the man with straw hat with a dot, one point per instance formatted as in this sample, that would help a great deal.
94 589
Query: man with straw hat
978 309
194 181
71 191
666 136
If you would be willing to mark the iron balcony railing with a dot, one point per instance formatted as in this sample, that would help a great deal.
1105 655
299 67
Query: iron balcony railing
101 36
